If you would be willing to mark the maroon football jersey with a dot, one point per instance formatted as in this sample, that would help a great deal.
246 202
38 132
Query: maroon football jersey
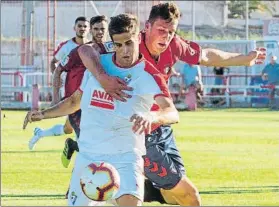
74 67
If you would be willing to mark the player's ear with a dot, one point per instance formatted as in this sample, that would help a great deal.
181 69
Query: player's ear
147 24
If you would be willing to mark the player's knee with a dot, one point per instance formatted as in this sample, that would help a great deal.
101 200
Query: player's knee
186 193
128 200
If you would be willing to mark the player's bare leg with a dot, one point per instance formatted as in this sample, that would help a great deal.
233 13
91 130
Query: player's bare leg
68 129
183 194
128 200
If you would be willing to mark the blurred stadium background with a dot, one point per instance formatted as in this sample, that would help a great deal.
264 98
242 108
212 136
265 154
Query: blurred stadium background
30 31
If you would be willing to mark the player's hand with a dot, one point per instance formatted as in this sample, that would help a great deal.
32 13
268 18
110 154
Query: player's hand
257 56
32 116
114 86
141 124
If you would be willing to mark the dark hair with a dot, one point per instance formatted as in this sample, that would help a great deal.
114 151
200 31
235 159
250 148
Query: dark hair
166 11
81 19
98 19
123 23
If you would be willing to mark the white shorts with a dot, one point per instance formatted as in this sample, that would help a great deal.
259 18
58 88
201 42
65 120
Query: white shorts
129 168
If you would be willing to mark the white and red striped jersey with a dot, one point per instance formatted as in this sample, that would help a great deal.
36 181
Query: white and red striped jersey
105 126
64 49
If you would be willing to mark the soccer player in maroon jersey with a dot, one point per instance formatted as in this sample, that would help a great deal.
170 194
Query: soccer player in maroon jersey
162 47
81 28
74 68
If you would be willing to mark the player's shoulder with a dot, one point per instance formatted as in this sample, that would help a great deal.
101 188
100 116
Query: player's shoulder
149 68
62 45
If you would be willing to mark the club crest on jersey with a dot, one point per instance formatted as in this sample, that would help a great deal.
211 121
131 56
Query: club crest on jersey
102 99
109 46
128 78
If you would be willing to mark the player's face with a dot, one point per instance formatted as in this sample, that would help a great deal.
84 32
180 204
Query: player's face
126 48
159 35
99 31
82 29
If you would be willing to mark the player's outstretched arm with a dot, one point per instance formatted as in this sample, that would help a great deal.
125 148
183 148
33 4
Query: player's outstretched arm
65 107
56 84
112 85
168 114
215 57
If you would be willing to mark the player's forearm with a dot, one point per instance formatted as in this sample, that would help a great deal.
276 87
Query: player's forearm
91 60
167 115
56 83
63 108
214 57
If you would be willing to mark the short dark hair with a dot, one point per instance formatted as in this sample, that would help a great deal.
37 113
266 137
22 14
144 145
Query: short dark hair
98 19
123 23
81 19
166 11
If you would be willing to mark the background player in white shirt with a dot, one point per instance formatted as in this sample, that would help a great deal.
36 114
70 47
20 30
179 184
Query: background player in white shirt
110 130
81 28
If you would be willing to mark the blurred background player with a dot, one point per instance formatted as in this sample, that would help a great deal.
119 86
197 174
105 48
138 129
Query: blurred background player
271 72
81 27
192 81
74 68
119 138
163 48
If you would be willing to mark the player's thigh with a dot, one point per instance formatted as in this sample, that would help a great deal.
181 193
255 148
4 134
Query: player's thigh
76 197
163 164
131 181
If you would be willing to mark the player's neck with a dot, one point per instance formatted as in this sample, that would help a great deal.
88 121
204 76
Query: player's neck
80 41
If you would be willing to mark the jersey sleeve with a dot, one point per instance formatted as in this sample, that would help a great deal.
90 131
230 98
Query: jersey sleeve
161 86
84 81
68 62
156 82
59 53
186 51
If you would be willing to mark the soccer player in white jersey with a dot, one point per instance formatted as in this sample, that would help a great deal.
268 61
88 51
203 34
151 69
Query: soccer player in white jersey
110 130
81 28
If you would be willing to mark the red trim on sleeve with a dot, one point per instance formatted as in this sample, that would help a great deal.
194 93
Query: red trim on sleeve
158 77
187 51
59 47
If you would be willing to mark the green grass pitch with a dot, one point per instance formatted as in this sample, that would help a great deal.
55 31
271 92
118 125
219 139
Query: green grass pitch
232 155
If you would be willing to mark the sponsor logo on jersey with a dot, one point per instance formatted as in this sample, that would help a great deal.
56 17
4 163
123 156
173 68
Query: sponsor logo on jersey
109 46
102 99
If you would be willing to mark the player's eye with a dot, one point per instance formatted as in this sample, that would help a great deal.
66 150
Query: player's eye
117 45
128 43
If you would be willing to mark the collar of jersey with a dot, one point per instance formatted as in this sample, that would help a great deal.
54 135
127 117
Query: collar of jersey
141 58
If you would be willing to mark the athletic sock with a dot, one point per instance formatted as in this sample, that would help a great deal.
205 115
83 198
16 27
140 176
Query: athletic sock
56 130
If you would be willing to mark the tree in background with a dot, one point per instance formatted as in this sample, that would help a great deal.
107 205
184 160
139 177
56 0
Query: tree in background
237 8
